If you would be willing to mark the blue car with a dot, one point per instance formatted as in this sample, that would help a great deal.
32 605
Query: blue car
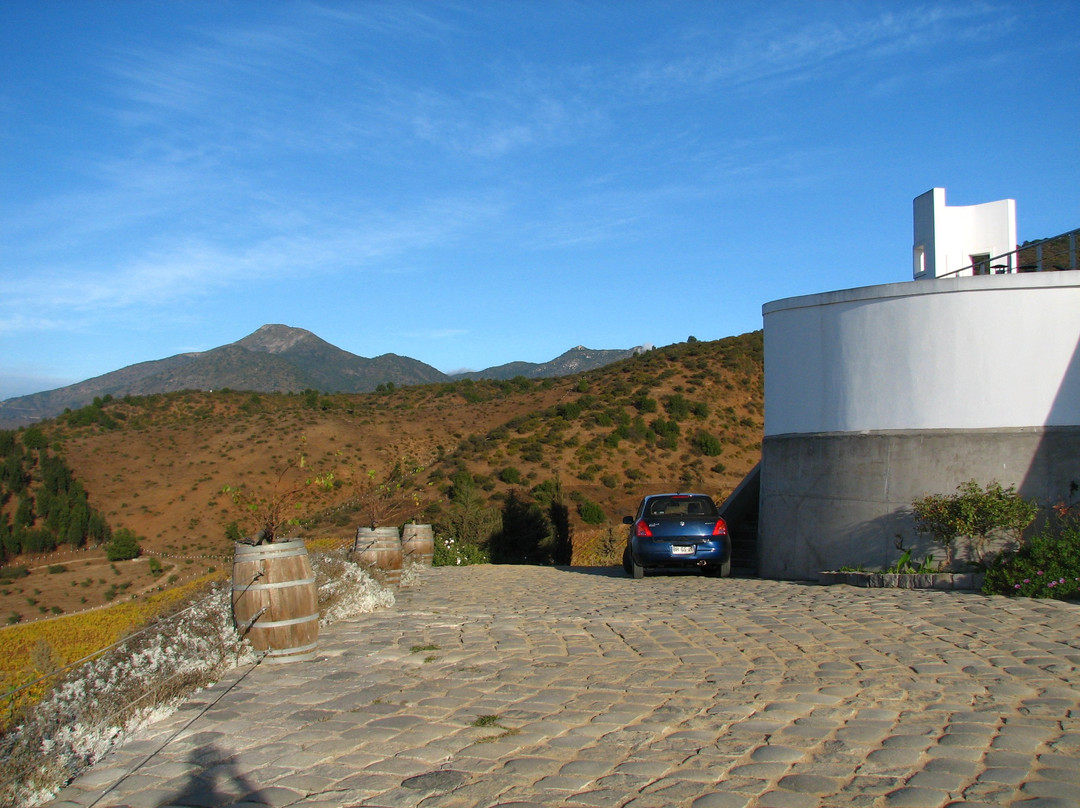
677 531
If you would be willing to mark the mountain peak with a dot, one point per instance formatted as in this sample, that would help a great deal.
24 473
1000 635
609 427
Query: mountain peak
274 338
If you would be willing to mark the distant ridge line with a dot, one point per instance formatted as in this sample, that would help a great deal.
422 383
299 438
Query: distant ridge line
278 358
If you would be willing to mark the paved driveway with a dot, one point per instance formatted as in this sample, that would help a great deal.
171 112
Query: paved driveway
533 686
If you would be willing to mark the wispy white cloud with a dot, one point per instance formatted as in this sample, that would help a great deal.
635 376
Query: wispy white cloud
801 49
187 269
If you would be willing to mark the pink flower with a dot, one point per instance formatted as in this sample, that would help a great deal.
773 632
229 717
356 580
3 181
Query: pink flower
1040 572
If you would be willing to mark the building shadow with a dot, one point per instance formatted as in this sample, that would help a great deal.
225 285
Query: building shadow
1054 473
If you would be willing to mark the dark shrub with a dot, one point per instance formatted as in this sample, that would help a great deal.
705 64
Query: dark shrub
1047 565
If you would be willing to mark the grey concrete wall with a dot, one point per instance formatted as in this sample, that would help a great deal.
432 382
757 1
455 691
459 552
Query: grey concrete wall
836 499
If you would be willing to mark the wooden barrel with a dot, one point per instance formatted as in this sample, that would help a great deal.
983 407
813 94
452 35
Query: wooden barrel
418 544
378 549
275 601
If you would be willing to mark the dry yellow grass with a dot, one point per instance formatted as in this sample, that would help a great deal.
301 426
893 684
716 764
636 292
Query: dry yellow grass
599 546
36 649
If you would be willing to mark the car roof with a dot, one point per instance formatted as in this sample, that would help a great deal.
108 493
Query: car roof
686 494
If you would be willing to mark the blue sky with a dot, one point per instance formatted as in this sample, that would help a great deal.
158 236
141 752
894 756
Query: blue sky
474 183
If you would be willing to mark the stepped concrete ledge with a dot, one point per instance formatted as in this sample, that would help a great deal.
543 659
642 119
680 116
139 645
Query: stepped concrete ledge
581 687
965 581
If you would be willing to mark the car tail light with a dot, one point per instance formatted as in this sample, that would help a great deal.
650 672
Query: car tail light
720 528
641 530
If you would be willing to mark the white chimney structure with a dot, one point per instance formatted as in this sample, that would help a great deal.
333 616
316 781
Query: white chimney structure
962 240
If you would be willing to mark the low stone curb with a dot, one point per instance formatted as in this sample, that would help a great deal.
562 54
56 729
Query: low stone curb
965 581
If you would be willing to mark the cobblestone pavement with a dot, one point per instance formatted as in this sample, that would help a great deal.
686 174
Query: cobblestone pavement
527 686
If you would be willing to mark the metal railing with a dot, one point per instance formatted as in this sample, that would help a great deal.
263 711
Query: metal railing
1046 255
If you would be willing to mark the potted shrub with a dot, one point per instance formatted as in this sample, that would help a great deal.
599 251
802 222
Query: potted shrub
274 597
383 499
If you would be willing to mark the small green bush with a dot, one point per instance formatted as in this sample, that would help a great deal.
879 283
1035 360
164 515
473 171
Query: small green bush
1046 566
591 513
974 513
708 444
451 552
510 475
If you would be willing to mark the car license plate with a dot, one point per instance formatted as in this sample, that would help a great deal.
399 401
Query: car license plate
682 549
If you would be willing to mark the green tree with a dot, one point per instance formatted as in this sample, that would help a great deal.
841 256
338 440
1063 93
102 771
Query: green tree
525 533
470 523
8 544
549 496
34 438
24 512
124 546
78 523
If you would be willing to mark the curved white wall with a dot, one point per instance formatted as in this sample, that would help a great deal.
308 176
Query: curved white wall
957 353
880 395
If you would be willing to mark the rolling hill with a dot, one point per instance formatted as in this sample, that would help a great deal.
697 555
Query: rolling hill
686 416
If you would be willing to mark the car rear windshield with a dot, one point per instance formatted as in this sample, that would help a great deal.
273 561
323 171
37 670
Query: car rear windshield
681 506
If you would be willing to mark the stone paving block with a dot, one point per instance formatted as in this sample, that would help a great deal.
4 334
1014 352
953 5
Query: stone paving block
811 783
1061 775
941 781
1002 776
912 797
787 799
953 752
723 799
973 740
368 783
1050 789
776 754
1046 802
759 771
949 765
892 759
644 768
670 790
587 767
597 798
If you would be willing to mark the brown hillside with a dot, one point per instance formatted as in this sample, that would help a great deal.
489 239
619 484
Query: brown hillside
687 416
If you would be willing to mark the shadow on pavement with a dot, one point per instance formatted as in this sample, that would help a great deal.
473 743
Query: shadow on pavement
216 781
598 572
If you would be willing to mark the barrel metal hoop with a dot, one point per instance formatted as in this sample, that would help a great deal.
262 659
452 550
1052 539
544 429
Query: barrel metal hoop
265 551
279 585
293 622
300 649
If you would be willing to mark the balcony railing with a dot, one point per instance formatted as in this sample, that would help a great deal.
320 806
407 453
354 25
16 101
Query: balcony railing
1047 255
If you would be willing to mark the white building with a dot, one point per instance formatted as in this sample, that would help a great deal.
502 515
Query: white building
880 395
